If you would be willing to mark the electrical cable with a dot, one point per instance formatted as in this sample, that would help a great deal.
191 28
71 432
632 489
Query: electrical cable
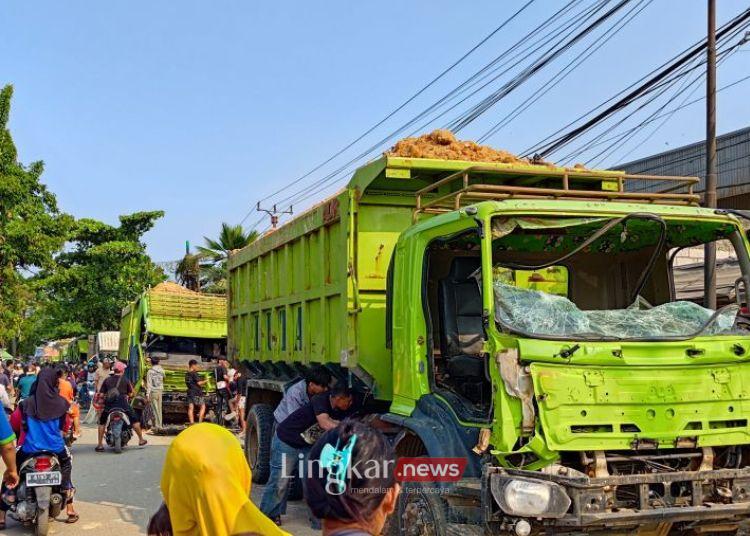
654 81
487 103
600 157
333 176
402 105
566 71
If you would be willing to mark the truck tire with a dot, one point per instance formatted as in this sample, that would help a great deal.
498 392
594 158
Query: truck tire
418 513
258 441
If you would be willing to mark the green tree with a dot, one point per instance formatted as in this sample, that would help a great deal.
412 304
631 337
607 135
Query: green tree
102 269
32 228
230 237
212 258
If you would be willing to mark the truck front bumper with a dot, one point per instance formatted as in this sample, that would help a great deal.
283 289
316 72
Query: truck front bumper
615 501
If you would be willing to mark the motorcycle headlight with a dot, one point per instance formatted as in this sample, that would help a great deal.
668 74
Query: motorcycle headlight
525 497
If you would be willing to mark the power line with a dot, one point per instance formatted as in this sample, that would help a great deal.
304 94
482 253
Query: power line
323 183
401 106
612 148
529 151
622 139
477 110
570 156
632 96
566 71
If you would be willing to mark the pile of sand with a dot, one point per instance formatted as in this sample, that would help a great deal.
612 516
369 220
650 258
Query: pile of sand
169 287
442 144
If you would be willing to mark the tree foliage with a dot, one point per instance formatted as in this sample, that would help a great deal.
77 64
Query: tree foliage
102 269
212 258
230 237
31 228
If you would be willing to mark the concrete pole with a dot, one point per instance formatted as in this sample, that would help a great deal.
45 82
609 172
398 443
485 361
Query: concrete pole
711 164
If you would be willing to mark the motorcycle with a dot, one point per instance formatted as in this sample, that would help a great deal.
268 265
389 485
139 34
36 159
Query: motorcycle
118 429
38 496
86 394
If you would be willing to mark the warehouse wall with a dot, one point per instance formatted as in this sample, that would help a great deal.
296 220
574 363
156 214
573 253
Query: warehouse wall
734 167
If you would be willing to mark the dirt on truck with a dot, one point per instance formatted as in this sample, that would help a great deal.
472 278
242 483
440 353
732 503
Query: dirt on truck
522 318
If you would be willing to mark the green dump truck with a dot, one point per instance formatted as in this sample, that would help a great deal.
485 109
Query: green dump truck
78 349
524 319
176 325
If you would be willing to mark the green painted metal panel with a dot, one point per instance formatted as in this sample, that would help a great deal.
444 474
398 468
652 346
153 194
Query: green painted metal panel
585 408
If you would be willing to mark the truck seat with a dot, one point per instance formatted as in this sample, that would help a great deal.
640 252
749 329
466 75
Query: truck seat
460 310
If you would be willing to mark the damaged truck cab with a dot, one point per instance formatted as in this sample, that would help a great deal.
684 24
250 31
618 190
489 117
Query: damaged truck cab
523 318
552 327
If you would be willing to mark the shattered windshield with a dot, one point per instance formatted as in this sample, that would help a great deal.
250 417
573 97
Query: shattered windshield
540 313
601 278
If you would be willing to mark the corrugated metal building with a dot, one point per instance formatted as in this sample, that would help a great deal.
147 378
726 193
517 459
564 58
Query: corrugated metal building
734 167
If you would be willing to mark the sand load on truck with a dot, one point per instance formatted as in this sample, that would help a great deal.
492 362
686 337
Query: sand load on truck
443 145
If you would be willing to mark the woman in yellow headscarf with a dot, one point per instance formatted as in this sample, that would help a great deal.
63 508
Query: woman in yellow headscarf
206 488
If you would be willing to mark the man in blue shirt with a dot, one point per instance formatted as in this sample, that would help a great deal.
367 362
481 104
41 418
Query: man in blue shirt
316 381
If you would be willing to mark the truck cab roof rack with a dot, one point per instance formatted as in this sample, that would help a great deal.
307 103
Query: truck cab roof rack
483 183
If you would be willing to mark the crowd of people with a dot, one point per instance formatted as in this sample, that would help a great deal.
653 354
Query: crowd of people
41 406
206 480
230 387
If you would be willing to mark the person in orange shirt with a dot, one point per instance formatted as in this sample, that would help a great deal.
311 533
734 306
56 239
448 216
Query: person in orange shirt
68 393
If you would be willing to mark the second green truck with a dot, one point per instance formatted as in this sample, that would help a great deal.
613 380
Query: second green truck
176 325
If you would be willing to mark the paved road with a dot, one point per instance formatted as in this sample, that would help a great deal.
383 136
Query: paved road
116 494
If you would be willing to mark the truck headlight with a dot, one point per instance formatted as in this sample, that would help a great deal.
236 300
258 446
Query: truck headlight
526 497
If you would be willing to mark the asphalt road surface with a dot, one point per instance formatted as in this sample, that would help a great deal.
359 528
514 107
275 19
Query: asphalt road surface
117 493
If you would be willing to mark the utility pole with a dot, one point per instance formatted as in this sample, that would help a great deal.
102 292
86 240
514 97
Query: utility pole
274 213
709 273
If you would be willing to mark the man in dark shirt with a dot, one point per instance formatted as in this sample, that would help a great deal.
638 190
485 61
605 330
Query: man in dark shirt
325 410
195 392
117 392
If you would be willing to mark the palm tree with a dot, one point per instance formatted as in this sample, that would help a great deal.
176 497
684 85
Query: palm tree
230 238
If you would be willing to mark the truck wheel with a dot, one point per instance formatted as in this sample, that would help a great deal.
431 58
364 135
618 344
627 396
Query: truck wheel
258 441
418 513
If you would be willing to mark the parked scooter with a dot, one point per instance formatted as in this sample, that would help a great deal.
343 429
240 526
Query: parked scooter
38 496
118 430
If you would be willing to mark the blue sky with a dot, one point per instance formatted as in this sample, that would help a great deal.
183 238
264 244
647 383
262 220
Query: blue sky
201 108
